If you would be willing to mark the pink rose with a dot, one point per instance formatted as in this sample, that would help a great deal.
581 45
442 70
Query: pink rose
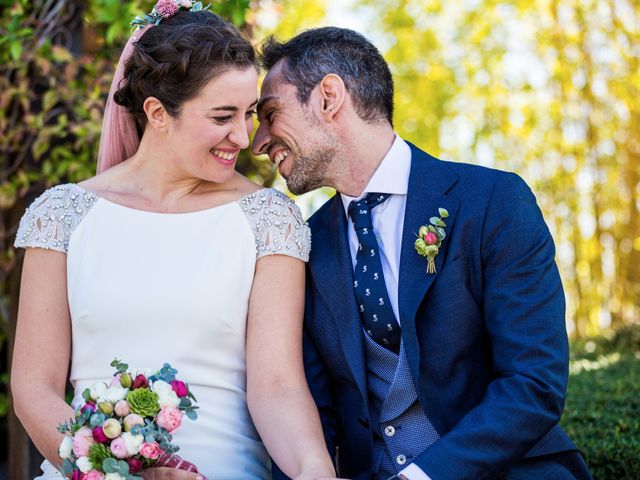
122 408
99 436
78 475
135 465
180 388
119 448
169 418
431 238
150 450
140 381
94 475
82 441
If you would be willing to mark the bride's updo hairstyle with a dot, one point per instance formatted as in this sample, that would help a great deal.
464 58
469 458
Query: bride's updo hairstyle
174 60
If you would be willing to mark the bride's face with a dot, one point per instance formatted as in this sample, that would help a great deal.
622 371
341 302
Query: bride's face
215 125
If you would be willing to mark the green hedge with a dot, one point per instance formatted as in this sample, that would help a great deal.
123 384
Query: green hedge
602 412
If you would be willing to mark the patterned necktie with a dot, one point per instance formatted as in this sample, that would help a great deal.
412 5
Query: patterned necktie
371 291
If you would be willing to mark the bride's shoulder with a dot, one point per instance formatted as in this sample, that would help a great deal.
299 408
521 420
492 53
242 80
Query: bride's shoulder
277 224
51 218
270 201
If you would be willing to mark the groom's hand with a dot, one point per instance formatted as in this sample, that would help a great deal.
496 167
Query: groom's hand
167 473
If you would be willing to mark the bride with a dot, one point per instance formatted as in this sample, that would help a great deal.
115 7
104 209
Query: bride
170 255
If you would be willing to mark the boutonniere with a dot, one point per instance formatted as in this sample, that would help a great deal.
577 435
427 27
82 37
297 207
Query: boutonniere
430 238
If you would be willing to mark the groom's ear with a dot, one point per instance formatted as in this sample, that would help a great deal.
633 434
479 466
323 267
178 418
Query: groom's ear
157 116
333 94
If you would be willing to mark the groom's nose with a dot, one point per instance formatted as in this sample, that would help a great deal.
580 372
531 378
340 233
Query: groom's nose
261 139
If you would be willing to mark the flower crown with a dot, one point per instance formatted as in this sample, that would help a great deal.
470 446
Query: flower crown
165 9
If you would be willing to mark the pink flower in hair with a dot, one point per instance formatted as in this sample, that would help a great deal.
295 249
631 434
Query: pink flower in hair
167 8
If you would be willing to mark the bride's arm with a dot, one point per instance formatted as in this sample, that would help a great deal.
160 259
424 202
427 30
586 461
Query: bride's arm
42 350
277 392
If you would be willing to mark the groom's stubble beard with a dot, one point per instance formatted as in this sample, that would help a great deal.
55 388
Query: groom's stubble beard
309 171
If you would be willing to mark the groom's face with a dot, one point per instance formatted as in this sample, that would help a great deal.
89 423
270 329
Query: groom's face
292 134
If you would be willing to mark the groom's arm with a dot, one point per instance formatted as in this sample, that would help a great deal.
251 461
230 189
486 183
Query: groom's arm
524 315
320 387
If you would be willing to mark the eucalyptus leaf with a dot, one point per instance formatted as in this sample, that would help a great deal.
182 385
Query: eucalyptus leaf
97 419
136 429
67 466
192 415
122 469
110 465
191 396
440 233
443 212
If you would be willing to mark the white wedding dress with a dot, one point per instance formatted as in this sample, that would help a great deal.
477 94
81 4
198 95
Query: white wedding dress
149 288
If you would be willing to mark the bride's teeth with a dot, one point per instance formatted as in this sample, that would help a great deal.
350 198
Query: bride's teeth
223 155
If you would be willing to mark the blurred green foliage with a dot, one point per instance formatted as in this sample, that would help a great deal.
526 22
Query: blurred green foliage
603 403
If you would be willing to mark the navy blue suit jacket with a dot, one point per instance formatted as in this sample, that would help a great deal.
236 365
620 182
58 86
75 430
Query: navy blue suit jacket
485 336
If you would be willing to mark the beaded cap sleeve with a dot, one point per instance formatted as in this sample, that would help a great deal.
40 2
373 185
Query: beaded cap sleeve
51 219
277 224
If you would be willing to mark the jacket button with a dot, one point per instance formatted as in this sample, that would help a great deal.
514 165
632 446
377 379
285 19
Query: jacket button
389 431
401 459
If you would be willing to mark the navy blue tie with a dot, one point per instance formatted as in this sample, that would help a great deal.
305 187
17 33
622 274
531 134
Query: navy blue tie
371 291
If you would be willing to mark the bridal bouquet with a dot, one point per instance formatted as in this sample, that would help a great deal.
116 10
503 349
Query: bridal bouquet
126 426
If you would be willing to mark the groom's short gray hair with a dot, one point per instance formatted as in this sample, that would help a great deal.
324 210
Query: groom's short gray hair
313 54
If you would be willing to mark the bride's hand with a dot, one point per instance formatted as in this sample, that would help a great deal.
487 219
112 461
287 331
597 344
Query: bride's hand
167 473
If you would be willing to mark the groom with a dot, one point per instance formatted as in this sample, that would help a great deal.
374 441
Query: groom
451 365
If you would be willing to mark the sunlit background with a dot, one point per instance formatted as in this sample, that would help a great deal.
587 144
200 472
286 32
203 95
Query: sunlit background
547 89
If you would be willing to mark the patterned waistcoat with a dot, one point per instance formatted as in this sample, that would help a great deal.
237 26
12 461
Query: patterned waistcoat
401 429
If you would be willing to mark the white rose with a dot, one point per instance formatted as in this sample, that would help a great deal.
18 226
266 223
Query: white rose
132 442
84 464
160 386
97 390
113 476
166 396
66 447
113 395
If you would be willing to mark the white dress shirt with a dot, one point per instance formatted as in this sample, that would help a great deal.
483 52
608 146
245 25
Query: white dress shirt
391 176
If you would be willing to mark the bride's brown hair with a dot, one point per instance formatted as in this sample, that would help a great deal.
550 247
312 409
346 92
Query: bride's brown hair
174 60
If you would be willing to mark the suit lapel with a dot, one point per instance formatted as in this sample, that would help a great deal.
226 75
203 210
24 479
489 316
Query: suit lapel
429 180
333 272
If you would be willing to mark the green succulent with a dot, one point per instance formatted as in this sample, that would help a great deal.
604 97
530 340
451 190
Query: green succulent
144 402
98 453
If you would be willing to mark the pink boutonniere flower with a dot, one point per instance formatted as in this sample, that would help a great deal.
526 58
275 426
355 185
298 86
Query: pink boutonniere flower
430 239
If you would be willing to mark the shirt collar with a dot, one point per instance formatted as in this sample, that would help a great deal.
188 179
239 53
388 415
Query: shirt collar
391 176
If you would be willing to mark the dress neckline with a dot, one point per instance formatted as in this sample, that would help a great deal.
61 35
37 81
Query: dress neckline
151 212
